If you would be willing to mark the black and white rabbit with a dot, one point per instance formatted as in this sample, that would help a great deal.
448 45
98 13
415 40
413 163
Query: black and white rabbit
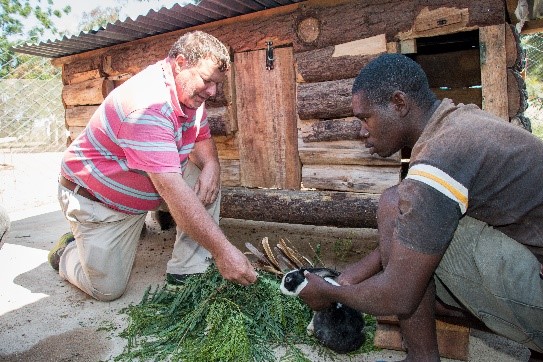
339 327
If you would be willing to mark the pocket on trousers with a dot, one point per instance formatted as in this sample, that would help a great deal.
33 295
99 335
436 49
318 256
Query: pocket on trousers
505 328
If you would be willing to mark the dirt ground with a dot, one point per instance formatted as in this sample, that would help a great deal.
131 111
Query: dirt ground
43 318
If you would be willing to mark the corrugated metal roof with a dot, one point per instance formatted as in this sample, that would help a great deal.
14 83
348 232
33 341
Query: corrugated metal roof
153 23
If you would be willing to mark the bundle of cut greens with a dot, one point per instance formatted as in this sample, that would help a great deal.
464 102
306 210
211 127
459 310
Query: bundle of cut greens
211 319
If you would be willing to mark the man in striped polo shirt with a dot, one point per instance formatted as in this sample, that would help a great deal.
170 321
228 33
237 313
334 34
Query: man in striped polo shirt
459 227
148 143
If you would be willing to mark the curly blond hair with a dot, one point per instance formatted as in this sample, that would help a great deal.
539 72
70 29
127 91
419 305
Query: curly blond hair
197 45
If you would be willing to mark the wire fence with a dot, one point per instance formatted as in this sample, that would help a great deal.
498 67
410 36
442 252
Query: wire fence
31 110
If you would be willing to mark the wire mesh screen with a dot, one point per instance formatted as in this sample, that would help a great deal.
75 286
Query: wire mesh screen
533 75
32 131
31 110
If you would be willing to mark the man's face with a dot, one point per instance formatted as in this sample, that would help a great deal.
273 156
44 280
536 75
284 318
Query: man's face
195 84
381 126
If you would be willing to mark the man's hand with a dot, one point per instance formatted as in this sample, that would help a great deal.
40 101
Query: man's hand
205 156
314 294
208 185
235 266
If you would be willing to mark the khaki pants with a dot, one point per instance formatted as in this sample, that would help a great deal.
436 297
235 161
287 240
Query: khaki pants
496 279
100 259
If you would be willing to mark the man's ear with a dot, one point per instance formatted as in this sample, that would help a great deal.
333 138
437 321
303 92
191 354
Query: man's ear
401 102
180 62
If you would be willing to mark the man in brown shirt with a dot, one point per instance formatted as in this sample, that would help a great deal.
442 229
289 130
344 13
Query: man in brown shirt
457 226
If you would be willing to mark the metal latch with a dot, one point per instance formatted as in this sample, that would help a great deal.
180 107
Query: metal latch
269 55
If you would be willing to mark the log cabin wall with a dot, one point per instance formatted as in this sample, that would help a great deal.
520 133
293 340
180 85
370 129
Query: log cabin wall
287 139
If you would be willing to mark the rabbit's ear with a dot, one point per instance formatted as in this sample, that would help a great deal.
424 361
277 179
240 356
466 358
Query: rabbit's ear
325 272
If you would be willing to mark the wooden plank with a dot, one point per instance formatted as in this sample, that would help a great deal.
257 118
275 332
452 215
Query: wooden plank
331 99
365 179
90 92
345 156
79 116
268 133
452 339
330 129
324 208
465 63
461 95
493 70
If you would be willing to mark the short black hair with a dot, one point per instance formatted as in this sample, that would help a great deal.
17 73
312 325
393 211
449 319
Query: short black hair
392 72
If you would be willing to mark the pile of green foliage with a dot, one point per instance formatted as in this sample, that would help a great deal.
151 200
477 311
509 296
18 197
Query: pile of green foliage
211 319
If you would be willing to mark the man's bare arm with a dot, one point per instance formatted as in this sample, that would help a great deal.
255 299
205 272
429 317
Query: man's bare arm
191 216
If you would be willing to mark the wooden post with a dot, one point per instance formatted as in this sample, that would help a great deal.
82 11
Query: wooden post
494 70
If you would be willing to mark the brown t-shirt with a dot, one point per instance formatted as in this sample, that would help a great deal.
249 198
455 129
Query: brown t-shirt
469 162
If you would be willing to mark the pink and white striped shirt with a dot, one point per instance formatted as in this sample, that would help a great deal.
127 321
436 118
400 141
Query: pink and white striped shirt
140 127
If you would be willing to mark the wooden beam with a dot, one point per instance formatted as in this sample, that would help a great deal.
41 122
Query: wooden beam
494 70
365 179
331 129
345 156
89 92
339 61
79 116
325 208
331 99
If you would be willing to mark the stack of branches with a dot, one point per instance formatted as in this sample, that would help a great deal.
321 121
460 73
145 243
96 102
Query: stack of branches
285 258
211 319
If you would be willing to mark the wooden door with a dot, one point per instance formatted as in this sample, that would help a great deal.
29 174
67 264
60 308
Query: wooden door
267 122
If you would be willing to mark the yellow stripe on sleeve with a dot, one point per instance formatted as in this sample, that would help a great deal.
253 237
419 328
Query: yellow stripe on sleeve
442 182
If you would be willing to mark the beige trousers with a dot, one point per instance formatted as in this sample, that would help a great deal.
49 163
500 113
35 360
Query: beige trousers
100 259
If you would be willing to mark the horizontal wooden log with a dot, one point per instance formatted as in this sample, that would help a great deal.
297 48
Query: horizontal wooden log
350 178
459 69
83 76
461 95
331 129
340 61
90 92
331 99
321 208
345 156
440 20
230 172
517 95
80 65
79 116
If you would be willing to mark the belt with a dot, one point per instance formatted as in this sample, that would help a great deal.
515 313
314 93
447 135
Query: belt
70 185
